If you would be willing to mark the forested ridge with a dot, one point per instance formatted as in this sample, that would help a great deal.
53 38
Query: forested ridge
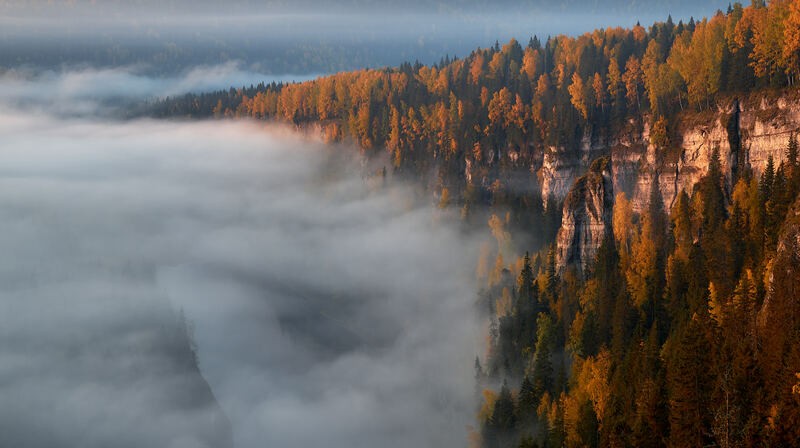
685 332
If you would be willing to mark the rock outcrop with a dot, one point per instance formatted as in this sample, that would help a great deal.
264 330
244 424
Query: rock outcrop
746 132
586 219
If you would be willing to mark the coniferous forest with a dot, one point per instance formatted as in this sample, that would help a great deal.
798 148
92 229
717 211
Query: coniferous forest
685 329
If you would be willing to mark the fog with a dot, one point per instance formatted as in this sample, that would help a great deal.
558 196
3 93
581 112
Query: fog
92 91
326 306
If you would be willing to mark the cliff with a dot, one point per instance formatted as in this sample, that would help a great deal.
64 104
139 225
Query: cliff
746 131
586 217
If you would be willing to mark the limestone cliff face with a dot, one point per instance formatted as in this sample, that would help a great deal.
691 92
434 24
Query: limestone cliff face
746 132
586 217
560 166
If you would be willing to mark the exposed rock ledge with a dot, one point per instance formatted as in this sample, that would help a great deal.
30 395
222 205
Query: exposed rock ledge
586 218
746 133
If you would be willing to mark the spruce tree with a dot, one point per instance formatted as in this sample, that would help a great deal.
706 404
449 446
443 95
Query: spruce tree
767 179
542 373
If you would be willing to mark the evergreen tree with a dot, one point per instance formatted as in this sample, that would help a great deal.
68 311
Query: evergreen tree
499 430
768 179
542 370
793 166
687 380
528 402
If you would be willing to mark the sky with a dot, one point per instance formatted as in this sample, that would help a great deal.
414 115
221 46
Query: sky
325 308
298 37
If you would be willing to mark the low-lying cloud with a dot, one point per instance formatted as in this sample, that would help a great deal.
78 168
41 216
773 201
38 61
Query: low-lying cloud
84 91
326 308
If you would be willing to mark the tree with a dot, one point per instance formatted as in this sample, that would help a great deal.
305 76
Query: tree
622 225
687 380
599 90
500 108
714 239
614 80
768 39
659 134
542 371
698 58
641 275
651 64
632 78
791 42
528 402
503 421
577 92
768 179
530 64
776 206
645 274
793 167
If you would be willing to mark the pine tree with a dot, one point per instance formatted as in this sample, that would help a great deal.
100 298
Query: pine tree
528 402
687 381
542 372
793 166
776 206
525 284
502 423
768 179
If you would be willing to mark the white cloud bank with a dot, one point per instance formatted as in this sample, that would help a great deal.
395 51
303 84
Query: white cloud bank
82 91
326 311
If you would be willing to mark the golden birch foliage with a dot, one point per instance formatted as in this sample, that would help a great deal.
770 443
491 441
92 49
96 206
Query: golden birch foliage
500 107
529 63
791 41
595 380
768 38
622 223
577 92
698 58
614 78
642 269
632 78
598 87
476 68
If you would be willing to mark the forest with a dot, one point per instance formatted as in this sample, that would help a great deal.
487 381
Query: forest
685 332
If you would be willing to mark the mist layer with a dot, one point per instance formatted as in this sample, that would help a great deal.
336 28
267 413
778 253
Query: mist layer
325 308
